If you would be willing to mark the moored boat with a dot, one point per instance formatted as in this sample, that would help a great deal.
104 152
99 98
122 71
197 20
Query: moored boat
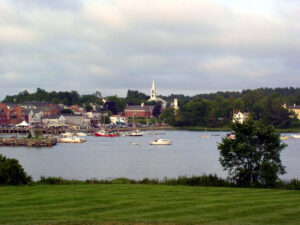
80 134
205 135
72 139
105 133
296 136
136 133
230 136
160 142
285 137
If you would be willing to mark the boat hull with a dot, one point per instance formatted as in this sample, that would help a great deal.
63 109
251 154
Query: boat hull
105 135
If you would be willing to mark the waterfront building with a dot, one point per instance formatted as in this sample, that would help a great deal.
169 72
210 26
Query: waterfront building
117 119
240 117
142 111
174 105
3 117
295 109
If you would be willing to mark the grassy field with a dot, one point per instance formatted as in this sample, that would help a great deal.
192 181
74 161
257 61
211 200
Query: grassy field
146 204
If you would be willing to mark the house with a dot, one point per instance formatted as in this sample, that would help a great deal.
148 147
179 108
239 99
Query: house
14 113
174 105
54 119
143 111
118 119
240 117
295 109
77 121
17 115
3 117
76 110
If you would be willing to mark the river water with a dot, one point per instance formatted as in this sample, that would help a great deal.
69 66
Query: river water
106 158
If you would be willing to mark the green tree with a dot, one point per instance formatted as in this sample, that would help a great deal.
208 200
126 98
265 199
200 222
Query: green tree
156 110
11 172
253 157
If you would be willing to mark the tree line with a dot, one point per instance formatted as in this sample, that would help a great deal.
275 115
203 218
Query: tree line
211 110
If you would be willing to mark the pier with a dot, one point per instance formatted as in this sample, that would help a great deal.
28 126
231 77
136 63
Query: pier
41 142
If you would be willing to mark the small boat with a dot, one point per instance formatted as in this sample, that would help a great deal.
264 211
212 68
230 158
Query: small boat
204 135
160 142
136 133
72 139
296 136
67 134
105 133
230 136
133 143
80 134
285 137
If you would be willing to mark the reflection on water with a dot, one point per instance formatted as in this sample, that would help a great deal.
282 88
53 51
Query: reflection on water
104 158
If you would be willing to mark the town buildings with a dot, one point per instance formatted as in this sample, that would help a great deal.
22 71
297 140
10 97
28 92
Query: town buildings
142 111
294 108
240 117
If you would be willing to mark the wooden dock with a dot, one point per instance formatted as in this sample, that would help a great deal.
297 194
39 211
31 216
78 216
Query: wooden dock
43 142
28 130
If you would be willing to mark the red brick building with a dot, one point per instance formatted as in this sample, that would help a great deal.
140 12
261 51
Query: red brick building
17 115
3 117
142 111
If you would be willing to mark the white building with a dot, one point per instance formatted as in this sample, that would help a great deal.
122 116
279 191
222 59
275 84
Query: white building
240 117
156 99
174 105
152 93
116 119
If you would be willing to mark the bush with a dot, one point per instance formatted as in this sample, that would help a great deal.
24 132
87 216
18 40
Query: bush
12 173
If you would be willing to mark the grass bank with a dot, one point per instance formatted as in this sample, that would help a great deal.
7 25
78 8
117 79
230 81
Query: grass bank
146 204
200 128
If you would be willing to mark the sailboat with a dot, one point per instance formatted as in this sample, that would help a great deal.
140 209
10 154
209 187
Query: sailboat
204 135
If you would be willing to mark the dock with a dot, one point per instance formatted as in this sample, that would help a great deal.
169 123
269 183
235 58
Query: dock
42 142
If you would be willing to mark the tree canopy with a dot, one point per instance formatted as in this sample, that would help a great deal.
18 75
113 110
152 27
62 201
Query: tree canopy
253 156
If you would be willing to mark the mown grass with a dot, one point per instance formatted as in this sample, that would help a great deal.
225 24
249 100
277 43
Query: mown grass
146 204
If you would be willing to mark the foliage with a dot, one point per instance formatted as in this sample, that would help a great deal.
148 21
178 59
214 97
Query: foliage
11 172
67 98
253 157
67 111
135 97
157 110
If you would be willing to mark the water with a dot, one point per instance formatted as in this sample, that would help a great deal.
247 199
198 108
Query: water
105 158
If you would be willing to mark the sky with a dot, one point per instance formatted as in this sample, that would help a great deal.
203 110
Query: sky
186 46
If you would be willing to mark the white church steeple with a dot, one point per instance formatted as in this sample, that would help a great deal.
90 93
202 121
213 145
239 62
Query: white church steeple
153 93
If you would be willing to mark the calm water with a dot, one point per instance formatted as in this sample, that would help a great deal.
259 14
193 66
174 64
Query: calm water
104 158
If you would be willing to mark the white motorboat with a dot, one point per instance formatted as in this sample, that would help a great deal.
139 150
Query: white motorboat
67 134
80 134
71 139
160 142
136 133
296 136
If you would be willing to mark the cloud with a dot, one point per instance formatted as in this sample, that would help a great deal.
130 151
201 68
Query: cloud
111 46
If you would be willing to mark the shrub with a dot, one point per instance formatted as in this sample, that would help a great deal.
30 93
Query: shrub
12 173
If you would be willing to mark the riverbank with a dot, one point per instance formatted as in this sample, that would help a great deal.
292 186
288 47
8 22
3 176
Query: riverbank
146 204
228 129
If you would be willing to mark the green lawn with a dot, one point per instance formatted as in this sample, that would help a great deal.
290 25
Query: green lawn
146 204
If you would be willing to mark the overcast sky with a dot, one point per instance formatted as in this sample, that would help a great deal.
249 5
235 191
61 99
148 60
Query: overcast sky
187 46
